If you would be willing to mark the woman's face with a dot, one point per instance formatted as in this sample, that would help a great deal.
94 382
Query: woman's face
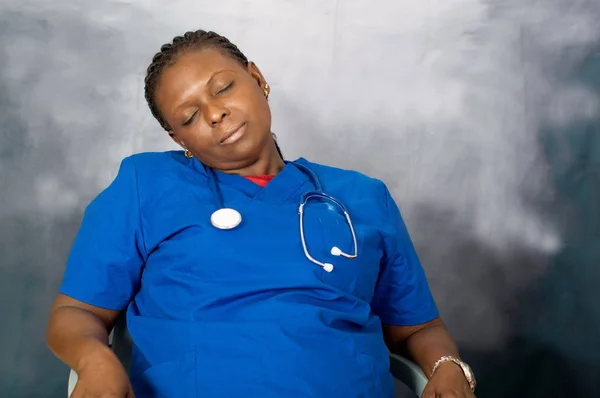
216 108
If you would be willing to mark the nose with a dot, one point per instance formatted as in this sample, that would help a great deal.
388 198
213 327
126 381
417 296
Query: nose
215 113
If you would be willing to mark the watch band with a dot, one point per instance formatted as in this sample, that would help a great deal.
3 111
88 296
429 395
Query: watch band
464 367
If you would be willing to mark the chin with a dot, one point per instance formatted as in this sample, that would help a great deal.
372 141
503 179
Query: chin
247 146
241 154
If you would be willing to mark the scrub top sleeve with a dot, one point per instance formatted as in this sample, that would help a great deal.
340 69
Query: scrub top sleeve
105 263
402 296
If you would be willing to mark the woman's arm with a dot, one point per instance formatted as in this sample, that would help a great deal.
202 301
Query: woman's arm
78 333
402 297
426 344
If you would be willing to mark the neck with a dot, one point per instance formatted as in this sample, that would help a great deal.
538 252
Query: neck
268 163
269 166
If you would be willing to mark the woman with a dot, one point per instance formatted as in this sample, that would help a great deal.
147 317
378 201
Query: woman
229 291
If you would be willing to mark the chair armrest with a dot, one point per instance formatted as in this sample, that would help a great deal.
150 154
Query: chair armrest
72 382
408 373
403 369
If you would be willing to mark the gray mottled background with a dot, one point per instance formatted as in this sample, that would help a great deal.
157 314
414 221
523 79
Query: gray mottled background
482 116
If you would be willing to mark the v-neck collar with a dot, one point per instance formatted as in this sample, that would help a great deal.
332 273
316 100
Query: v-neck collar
287 184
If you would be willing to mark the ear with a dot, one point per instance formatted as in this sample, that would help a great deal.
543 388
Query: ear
176 139
257 75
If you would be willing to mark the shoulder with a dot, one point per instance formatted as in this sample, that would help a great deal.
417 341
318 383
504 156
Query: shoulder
133 166
139 178
367 198
152 167
150 161
149 171
346 179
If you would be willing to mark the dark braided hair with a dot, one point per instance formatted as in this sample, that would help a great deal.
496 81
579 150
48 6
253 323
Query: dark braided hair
168 54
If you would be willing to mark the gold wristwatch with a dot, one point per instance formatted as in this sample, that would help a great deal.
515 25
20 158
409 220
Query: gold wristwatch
466 369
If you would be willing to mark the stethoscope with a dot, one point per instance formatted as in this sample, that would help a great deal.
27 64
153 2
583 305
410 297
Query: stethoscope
225 218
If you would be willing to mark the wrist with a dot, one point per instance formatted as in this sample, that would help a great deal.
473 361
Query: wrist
92 351
448 368
451 366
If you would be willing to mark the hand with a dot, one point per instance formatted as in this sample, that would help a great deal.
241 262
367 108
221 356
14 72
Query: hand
448 381
103 377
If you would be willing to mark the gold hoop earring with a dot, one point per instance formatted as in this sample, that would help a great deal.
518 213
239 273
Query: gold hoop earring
188 154
266 90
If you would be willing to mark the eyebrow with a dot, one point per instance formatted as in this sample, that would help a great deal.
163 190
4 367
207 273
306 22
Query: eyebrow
194 87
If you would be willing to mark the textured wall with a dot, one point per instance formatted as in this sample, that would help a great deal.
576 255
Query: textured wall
482 116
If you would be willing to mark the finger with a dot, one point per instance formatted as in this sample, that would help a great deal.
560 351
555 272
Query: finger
428 394
449 394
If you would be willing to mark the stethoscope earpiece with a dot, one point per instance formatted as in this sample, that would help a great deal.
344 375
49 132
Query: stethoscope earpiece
336 251
328 267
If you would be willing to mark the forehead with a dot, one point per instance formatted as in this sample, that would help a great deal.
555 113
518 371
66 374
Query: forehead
203 61
192 69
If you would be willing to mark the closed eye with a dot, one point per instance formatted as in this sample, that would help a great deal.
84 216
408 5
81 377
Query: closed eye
191 119
224 89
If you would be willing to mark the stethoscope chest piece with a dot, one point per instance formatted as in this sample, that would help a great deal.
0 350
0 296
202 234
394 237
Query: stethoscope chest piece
226 218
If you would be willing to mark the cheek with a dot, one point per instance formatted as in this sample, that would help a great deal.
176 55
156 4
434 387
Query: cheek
259 106
197 136
262 110
267 115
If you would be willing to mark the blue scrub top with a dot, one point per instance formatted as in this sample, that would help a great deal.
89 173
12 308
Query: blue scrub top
243 312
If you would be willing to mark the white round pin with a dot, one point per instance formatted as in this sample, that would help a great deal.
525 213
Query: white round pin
226 218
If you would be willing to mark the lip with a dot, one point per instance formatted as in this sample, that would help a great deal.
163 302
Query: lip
233 135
